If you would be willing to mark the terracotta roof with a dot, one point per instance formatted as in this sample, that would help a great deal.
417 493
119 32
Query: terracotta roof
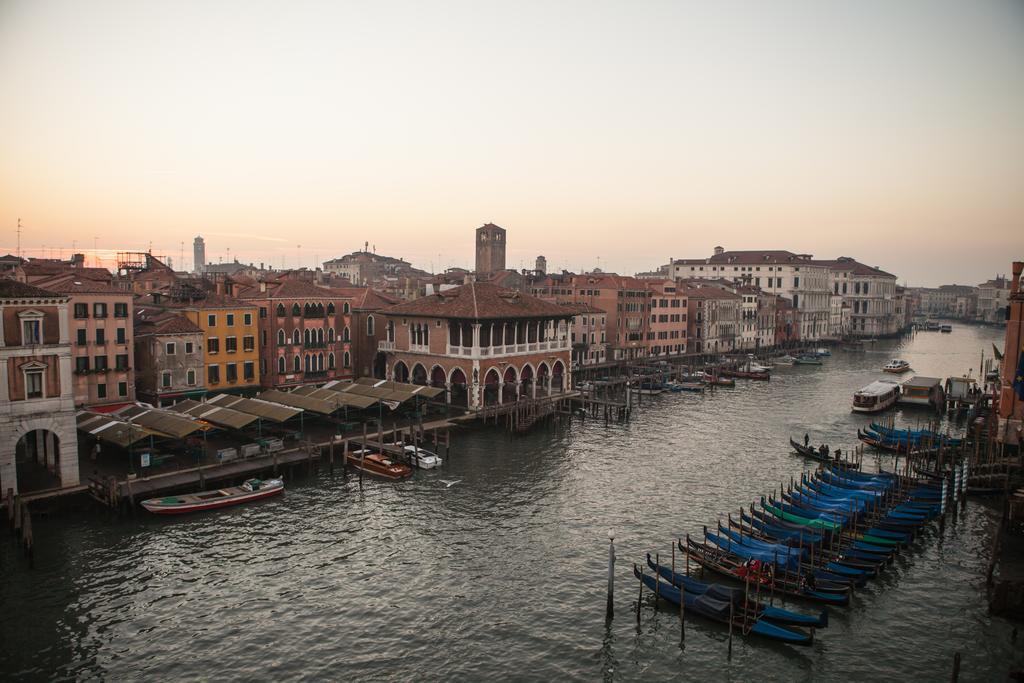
212 300
32 269
581 307
69 283
367 298
163 322
479 301
12 289
854 266
291 289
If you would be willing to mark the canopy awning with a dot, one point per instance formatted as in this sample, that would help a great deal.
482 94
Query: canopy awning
315 405
401 387
162 421
335 395
111 430
218 415
275 412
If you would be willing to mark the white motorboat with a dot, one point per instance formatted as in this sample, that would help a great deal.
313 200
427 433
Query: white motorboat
422 458
876 397
896 366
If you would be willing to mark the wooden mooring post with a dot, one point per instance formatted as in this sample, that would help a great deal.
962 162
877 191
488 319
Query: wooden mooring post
610 607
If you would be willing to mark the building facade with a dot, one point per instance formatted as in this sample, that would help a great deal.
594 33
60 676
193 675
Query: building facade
669 316
485 345
198 256
870 293
38 436
1010 400
169 358
588 334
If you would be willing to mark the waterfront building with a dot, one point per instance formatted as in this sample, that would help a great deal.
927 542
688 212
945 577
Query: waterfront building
1010 404
713 317
483 344
38 437
798 277
787 323
839 317
169 358
490 250
870 294
305 331
667 324
993 297
588 334
368 329
103 352
623 298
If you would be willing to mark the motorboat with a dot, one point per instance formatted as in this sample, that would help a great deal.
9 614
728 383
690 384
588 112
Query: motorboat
807 359
785 360
876 397
252 489
822 352
945 328
896 366
371 462
418 457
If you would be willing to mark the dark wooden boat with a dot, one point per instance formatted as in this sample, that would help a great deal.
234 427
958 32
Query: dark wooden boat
253 489
743 374
812 452
378 465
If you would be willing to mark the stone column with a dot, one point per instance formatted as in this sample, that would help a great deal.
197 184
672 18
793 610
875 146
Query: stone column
448 392
51 451
62 316
501 390
476 339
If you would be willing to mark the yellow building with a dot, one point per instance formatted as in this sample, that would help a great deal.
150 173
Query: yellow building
231 337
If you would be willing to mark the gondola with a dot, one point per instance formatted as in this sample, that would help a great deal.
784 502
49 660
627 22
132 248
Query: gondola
812 452
722 611
742 374
754 608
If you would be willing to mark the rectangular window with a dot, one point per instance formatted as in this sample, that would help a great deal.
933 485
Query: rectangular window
212 345
213 374
249 370
796 281
34 384
99 310
247 318
120 310
101 391
81 310
121 338
121 361
190 378
100 363
232 372
230 344
81 364
230 320
32 332
122 389
101 336
80 337
263 311
165 380
189 347
170 349
211 320
249 342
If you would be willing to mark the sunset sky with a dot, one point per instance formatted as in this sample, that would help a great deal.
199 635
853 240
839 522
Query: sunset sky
617 134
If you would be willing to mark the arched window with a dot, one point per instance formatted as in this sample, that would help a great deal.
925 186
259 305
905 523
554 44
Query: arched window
306 366
345 308
320 310
369 326
297 364
330 308
319 361
391 330
320 336
296 310
426 335
305 337
280 338
330 361
280 310
295 336
330 335
345 334
280 365
346 359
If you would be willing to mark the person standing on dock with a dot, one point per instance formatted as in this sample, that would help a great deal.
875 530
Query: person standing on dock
807 439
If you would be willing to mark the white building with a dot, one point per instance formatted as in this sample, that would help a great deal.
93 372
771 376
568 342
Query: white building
796 277
870 294
993 297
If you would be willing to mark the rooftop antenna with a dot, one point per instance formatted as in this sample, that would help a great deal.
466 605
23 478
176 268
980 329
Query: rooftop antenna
19 238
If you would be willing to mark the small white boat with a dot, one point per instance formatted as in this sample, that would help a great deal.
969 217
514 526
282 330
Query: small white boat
822 351
253 489
876 397
751 365
785 360
422 458
896 366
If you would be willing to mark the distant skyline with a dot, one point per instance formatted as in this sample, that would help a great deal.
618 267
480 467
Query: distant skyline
606 134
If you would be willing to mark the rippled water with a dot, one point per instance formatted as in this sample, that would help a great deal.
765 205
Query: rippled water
502 575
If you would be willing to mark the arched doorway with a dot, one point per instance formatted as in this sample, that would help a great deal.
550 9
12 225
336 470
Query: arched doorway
508 393
558 376
526 381
543 378
491 380
401 372
37 461
419 374
460 392
380 365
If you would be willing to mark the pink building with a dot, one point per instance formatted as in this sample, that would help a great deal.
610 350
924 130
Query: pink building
666 329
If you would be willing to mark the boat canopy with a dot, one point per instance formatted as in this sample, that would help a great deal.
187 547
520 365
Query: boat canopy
878 388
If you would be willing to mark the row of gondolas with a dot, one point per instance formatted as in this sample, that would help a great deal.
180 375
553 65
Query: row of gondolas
817 541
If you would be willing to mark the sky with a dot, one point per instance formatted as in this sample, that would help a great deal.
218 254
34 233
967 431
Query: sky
599 134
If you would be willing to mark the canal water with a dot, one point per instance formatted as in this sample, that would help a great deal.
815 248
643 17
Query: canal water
495 566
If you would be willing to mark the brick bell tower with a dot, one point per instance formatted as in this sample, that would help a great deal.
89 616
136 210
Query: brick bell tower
490 250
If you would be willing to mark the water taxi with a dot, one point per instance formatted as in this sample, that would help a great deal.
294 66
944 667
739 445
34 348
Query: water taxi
253 489
785 360
807 359
377 464
896 366
419 457
945 328
875 397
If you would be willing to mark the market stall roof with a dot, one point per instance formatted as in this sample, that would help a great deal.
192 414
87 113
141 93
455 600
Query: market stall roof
378 393
335 395
111 430
315 405
163 421
411 389
218 415
275 412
